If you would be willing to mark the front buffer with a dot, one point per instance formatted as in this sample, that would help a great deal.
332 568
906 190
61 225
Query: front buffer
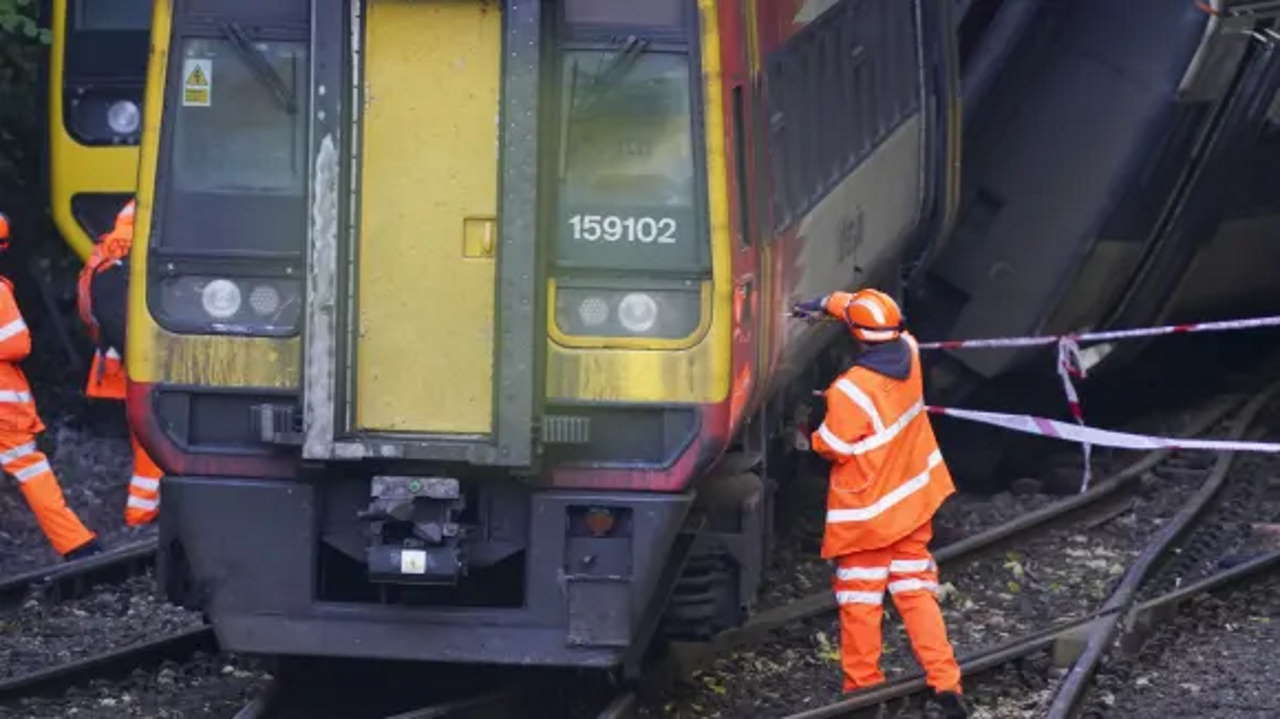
544 577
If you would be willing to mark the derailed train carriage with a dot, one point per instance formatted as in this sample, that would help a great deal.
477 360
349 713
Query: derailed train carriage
458 326
1119 164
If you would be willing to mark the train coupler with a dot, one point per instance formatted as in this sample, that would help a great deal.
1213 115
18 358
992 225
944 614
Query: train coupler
415 537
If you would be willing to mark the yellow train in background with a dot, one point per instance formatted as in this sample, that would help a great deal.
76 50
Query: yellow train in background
97 65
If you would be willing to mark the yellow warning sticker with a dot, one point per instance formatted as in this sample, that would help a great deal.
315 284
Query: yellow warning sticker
197 83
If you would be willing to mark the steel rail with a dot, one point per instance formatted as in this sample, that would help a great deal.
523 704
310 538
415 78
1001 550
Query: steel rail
822 602
1077 680
622 707
74 576
181 643
987 659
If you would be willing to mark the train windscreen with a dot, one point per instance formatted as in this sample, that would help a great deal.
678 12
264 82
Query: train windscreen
627 175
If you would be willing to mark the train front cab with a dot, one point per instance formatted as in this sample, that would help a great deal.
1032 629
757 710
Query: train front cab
97 63
445 308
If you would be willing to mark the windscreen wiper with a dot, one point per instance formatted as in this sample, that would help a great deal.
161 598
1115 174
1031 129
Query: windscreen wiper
622 60
260 66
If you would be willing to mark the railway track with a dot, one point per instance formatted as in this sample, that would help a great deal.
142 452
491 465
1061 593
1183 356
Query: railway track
1102 501
73 578
1122 616
281 701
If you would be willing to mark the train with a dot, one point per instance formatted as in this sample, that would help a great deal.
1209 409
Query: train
97 64
458 327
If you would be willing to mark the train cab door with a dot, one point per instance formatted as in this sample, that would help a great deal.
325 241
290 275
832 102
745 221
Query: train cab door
429 353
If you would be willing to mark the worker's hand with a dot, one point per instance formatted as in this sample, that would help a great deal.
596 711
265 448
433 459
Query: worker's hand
805 310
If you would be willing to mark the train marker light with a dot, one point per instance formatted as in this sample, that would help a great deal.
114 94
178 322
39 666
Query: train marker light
264 300
599 521
593 311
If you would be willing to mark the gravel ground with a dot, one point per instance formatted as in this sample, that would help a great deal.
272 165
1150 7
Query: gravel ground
206 686
41 633
1216 659
987 600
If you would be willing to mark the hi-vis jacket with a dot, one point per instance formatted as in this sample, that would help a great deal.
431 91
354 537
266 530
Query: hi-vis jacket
887 473
17 407
107 375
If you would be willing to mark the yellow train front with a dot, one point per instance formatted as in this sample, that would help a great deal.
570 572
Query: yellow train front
96 66
444 312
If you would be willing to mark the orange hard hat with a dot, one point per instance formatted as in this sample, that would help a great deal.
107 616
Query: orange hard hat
872 315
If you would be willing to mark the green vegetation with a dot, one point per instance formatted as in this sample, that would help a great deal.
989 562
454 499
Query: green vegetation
23 45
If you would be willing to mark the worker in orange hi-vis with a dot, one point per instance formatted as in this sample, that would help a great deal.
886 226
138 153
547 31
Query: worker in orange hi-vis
19 425
887 481
101 298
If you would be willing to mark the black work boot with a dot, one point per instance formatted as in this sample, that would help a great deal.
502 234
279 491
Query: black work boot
88 549
952 704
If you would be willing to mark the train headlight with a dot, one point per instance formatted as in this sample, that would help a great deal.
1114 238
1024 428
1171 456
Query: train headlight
668 312
220 299
265 306
638 312
124 117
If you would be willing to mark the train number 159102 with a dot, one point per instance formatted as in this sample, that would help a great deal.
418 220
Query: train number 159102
611 228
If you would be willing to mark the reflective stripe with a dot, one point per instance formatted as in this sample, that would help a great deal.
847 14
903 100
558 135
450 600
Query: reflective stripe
18 452
911 585
112 354
8 395
146 483
38 468
12 329
907 566
846 597
880 439
872 307
140 503
876 335
862 573
860 398
899 493
833 441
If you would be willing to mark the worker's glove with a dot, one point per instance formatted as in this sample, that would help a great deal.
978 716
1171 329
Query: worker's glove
806 310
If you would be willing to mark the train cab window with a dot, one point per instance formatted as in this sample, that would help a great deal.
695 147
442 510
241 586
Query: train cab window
104 62
238 146
96 15
627 175
240 135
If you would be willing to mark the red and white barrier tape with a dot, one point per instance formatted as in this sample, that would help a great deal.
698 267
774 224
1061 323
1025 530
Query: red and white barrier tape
1070 365
1038 341
1083 434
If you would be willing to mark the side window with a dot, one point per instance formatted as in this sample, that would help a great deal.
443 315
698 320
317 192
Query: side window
835 91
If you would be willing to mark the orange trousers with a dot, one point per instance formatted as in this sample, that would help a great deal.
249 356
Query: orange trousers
908 571
36 481
143 505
